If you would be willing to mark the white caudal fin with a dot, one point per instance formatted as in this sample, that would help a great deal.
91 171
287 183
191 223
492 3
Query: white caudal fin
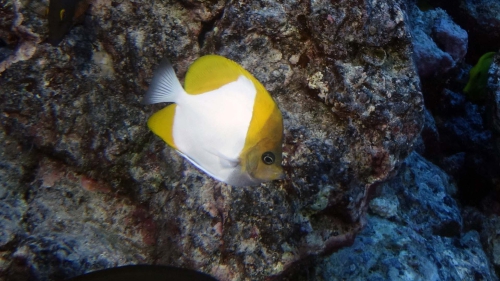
165 86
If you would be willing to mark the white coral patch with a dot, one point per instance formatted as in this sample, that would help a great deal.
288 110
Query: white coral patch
104 61
316 83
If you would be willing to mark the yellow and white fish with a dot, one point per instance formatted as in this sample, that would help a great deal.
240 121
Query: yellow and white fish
223 121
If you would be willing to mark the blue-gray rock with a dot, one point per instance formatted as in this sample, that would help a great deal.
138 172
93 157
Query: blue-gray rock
487 222
493 94
450 37
491 239
425 198
429 137
386 250
482 19
422 242
438 42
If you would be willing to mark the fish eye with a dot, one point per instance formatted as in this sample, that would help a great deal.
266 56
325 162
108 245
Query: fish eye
268 158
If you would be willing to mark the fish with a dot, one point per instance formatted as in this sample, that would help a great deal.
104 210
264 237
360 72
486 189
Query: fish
61 15
223 121
475 89
144 272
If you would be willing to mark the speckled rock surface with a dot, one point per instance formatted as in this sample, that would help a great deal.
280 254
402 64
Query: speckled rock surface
385 250
439 43
493 96
57 223
466 145
491 224
429 137
424 194
487 223
342 73
415 237
490 239
482 19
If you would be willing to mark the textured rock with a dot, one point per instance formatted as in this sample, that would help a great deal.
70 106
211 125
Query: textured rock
490 239
487 224
465 145
450 37
424 194
464 129
342 74
423 242
482 20
12 205
385 250
429 137
20 42
438 43
493 95
57 223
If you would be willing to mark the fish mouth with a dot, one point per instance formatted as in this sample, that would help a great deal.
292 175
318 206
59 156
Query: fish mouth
276 175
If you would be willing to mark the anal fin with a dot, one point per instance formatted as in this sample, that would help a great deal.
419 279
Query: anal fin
162 123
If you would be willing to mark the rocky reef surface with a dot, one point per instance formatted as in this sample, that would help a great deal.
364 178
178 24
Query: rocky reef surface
414 232
84 184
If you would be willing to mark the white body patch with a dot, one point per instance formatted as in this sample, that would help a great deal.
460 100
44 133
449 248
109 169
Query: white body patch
210 128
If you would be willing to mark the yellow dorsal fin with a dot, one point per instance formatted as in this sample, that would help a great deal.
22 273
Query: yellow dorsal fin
212 72
162 122
264 108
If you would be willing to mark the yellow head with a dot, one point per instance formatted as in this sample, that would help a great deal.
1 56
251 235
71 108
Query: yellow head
261 157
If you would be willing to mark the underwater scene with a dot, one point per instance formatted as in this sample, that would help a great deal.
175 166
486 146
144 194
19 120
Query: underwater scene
227 140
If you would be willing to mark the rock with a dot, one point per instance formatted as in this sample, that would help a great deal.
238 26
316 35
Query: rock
76 106
453 104
55 227
490 239
385 250
438 43
423 242
482 20
450 37
425 196
19 40
493 101
464 133
430 137
454 165
13 207
487 223
385 207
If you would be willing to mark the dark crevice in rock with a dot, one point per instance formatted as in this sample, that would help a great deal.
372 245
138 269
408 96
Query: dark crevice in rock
305 32
208 26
